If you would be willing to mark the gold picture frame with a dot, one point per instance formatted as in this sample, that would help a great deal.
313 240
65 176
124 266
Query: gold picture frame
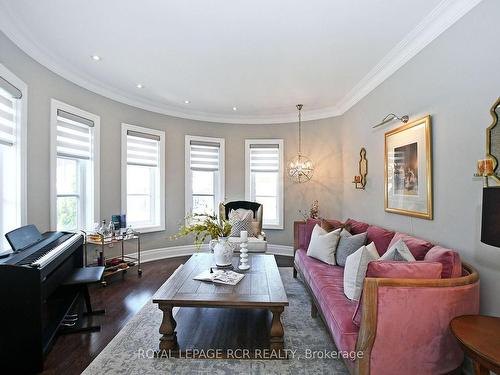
408 169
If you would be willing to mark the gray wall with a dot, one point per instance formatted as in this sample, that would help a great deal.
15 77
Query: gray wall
456 80
318 143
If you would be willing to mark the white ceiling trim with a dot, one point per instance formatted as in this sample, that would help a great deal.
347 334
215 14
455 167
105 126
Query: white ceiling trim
440 19
434 24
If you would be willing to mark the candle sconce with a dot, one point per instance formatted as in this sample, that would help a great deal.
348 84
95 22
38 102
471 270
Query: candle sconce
485 171
360 180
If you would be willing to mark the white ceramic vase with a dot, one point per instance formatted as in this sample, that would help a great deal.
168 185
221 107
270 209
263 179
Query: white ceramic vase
223 252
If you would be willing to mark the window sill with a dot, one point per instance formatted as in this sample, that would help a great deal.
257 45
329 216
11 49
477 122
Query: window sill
273 227
149 229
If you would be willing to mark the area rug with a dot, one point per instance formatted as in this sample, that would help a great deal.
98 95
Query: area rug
125 354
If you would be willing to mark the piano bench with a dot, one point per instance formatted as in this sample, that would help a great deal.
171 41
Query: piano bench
81 278
85 276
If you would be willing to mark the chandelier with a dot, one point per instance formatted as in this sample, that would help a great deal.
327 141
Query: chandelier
300 168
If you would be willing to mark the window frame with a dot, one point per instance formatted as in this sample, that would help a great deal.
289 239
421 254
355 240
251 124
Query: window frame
188 188
21 144
161 134
56 105
280 188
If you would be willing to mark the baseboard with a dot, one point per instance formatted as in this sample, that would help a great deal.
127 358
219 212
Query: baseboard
178 251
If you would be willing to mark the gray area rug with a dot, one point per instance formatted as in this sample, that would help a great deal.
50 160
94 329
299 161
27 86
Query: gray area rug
125 354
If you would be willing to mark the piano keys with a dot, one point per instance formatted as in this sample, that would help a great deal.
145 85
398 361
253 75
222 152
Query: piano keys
32 301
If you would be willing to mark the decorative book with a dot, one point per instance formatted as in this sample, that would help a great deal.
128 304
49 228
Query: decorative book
220 277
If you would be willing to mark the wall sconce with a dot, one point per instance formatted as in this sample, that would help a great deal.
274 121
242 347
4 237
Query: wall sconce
391 116
360 180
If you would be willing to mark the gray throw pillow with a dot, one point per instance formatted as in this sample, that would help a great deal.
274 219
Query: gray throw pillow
241 222
348 245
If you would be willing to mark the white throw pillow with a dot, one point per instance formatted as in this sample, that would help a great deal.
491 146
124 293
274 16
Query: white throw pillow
323 244
399 252
355 270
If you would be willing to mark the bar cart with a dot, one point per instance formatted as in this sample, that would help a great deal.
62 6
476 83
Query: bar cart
118 263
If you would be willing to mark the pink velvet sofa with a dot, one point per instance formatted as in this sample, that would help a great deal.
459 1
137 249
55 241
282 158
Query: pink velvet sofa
401 325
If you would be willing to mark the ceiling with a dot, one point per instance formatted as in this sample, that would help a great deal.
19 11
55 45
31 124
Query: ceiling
261 57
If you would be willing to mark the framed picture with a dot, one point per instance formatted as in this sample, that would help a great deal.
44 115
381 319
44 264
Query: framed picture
408 169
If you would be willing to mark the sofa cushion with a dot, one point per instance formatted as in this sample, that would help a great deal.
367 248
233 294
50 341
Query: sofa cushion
357 226
380 237
398 252
348 244
398 270
337 311
325 282
355 270
323 244
331 225
417 246
450 259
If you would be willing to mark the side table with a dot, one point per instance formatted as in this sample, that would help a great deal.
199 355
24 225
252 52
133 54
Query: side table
479 337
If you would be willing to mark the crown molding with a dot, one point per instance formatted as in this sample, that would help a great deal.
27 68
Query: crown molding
434 24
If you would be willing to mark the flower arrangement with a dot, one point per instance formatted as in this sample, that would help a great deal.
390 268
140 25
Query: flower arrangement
313 211
203 226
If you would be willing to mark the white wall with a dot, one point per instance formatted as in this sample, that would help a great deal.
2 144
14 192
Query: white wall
455 79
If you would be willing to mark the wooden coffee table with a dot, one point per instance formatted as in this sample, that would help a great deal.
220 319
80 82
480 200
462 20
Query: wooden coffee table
261 288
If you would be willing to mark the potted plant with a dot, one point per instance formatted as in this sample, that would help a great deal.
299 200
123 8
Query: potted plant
204 226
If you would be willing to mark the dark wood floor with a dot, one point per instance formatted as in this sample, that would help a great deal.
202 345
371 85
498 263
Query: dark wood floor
122 299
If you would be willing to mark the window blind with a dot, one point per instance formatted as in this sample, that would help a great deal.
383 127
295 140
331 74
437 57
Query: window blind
264 158
7 117
204 156
142 149
74 137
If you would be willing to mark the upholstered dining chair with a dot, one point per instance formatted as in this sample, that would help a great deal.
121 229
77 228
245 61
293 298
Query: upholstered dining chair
256 243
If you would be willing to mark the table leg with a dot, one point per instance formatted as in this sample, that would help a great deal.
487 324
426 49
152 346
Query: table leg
168 340
480 370
277 331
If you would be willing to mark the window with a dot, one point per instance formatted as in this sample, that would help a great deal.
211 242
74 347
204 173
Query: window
13 94
74 168
143 177
264 178
204 174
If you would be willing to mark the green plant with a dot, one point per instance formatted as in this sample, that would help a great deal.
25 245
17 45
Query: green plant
203 226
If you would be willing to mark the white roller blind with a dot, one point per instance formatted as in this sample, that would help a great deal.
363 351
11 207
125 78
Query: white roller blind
264 158
7 118
74 135
204 156
142 149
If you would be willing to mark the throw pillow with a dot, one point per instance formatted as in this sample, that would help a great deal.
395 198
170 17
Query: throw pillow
399 252
331 225
323 244
450 259
399 270
241 222
381 237
417 246
357 226
348 244
355 270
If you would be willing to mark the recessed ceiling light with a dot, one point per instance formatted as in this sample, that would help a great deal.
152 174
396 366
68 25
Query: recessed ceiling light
235 109
186 102
96 57
139 86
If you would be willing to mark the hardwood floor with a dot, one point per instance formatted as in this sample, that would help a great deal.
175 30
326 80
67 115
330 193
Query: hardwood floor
122 299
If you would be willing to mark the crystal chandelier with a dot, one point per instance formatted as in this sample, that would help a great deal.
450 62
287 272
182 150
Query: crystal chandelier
300 168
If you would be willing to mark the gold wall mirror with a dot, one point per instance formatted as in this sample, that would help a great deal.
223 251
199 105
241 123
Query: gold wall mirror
493 139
